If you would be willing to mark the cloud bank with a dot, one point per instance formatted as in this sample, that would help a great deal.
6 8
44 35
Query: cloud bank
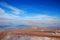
34 20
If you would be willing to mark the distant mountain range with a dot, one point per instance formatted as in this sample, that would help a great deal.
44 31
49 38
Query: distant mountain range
19 25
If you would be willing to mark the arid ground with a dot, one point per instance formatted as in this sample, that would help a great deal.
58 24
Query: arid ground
32 34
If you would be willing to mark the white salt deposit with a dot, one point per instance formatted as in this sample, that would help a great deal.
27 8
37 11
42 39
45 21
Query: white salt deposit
30 38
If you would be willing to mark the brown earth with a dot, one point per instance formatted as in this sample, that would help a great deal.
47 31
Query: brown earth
19 33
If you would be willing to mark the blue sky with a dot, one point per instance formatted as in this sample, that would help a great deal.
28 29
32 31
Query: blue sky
49 7
44 11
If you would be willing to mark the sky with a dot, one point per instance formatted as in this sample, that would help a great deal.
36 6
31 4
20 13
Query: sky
35 12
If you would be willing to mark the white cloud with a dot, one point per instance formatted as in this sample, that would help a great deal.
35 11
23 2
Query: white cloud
13 14
15 10
41 17
3 14
36 19
18 11
45 17
1 11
